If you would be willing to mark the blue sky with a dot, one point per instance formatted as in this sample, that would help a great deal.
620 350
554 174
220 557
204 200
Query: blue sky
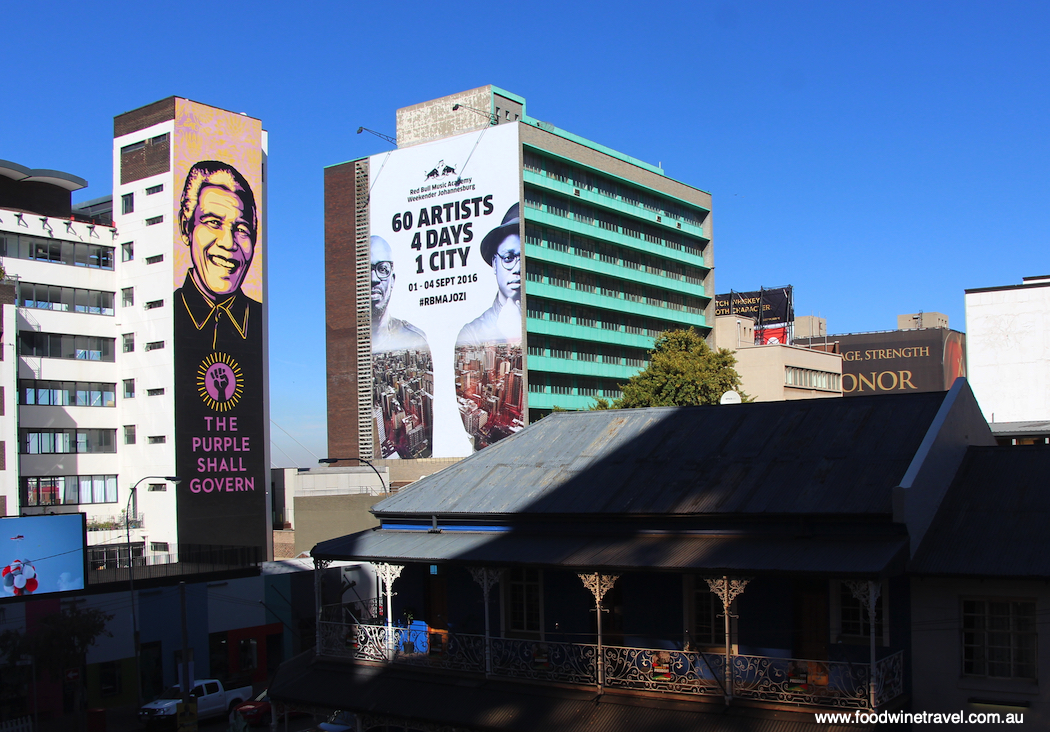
880 157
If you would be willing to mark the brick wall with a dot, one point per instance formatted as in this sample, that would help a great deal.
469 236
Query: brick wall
143 117
139 161
341 309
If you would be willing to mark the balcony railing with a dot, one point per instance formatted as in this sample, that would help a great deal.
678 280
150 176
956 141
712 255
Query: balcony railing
780 680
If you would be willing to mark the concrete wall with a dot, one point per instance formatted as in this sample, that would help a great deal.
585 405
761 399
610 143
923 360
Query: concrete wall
909 321
938 682
762 371
435 119
810 326
1008 350
734 331
319 518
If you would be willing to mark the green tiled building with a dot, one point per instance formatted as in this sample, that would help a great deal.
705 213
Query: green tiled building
614 253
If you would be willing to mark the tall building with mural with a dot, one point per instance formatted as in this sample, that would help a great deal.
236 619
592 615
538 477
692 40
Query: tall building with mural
189 198
135 328
493 268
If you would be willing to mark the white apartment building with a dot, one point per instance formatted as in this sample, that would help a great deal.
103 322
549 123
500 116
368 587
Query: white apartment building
64 388
89 360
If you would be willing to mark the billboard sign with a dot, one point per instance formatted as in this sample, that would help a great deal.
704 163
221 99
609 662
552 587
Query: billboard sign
446 285
45 554
768 306
899 361
220 425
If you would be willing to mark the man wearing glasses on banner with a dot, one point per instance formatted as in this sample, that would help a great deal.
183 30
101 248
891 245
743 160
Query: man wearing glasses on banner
389 333
501 323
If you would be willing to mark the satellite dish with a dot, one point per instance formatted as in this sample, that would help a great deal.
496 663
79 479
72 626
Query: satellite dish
730 397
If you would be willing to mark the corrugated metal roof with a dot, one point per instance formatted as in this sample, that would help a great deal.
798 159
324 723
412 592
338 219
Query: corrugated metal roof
478 704
762 553
820 456
993 520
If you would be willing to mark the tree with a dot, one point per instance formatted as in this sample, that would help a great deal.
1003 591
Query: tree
683 371
59 642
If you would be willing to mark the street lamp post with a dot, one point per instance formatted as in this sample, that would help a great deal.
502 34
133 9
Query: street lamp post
175 480
330 460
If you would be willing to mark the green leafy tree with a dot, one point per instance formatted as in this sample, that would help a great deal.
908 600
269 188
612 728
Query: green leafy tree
683 371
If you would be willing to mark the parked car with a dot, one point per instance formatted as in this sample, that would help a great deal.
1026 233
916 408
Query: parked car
213 700
257 711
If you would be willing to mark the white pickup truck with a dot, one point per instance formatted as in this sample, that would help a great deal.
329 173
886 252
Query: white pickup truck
213 700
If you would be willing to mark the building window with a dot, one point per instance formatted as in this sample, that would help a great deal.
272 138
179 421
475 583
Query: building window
853 616
708 625
114 556
127 251
67 441
129 434
58 345
129 388
129 342
158 546
154 220
155 392
153 304
33 392
55 490
64 299
524 600
127 203
154 345
74 254
127 297
157 439
157 487
155 259
812 379
154 189
999 638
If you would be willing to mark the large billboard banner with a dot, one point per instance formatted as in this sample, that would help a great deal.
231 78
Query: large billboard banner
770 305
898 361
446 286
220 426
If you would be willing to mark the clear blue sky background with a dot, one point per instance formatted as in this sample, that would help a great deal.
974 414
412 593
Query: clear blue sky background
879 156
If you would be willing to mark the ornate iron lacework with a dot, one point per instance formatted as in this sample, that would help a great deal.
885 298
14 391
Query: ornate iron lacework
684 672
598 584
545 660
727 589
796 681
835 684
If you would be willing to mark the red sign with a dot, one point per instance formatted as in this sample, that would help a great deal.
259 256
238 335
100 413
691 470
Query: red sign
72 674
766 336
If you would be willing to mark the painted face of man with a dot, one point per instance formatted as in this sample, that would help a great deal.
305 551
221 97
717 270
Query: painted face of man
507 266
382 276
222 242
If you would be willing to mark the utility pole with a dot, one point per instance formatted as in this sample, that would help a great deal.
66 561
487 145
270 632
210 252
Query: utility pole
184 672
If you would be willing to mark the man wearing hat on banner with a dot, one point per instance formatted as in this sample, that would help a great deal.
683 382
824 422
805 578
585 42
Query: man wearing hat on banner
501 323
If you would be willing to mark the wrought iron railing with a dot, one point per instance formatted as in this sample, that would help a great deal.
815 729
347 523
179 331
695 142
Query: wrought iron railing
783 680
573 663
889 678
797 681
686 672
